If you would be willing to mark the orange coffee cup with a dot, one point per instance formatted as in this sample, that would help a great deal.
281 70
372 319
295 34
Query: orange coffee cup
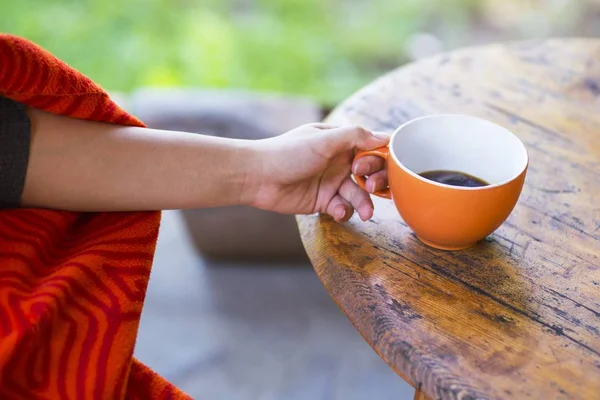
444 216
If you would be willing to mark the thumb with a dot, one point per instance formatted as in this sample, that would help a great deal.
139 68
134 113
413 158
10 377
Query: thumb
356 137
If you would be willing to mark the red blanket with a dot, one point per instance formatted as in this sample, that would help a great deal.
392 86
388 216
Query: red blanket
72 285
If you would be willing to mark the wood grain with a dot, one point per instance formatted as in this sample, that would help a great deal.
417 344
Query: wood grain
517 316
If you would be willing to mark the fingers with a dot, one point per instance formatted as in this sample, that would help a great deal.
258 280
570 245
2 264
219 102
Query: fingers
377 181
358 198
355 137
374 168
368 165
340 209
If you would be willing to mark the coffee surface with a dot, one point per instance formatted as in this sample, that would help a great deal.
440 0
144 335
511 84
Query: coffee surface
454 178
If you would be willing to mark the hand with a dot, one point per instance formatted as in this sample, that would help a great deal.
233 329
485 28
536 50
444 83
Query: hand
307 170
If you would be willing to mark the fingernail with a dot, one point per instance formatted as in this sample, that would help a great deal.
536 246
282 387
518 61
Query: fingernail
371 186
340 213
360 169
365 212
382 135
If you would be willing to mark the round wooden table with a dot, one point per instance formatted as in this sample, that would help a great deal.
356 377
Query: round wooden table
517 316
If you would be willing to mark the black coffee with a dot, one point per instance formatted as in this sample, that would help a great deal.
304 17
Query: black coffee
454 178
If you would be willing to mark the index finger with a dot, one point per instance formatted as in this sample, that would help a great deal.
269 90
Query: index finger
368 165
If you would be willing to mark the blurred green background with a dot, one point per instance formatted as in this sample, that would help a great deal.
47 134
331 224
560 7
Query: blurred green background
325 49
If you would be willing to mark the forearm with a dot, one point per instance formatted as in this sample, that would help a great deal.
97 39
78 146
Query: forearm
86 166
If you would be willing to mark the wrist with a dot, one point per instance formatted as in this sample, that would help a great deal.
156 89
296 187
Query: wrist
252 156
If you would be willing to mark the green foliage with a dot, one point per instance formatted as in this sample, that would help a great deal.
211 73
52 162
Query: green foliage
325 49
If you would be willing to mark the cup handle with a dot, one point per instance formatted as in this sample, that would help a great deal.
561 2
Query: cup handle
382 152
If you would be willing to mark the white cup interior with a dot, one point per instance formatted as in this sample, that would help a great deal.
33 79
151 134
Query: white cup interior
459 143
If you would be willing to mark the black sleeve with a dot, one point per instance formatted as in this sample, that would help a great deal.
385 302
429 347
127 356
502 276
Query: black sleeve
15 137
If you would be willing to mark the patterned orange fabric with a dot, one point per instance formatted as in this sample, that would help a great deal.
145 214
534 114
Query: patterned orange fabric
72 285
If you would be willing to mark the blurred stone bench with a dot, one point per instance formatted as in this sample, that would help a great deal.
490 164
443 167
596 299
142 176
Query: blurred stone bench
230 233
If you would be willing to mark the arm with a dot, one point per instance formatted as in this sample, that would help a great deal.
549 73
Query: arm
88 166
